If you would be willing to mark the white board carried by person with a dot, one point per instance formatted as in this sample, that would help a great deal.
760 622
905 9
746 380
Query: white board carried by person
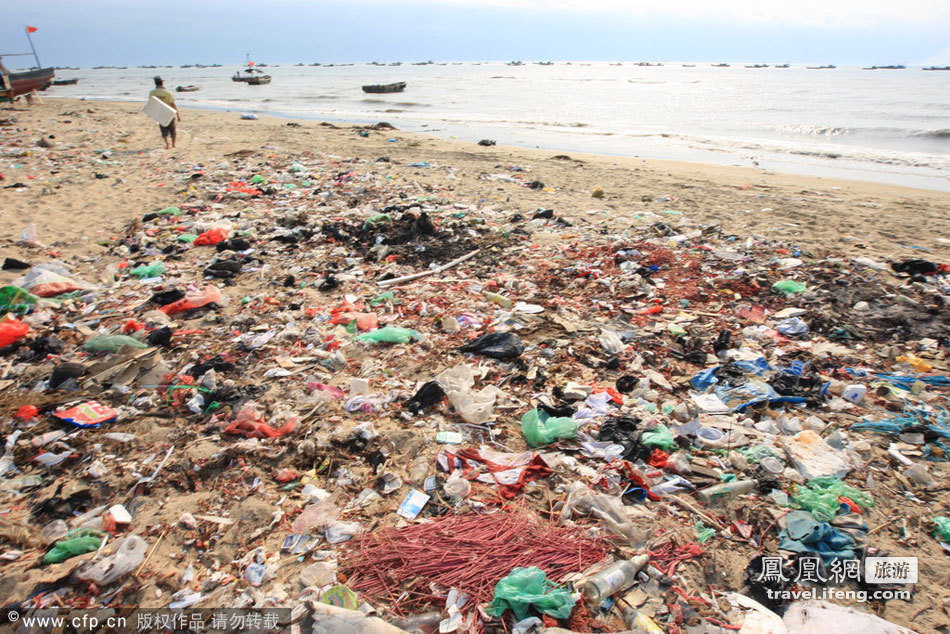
162 108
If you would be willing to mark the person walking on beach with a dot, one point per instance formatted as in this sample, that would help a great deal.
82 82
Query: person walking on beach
168 131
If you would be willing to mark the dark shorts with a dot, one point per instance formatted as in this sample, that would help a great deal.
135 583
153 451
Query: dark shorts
168 130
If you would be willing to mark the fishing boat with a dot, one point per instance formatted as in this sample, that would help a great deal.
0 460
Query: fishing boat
893 67
780 66
66 82
12 85
399 86
189 88
757 65
251 75
720 65
826 67
937 68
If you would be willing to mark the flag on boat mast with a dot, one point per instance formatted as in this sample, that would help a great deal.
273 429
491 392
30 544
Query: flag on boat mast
32 29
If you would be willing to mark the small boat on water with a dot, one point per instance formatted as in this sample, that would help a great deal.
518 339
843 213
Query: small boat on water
189 88
757 65
65 82
251 75
829 66
720 65
894 67
780 66
399 86
937 68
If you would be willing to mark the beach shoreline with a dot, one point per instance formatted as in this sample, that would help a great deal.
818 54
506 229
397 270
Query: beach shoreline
873 218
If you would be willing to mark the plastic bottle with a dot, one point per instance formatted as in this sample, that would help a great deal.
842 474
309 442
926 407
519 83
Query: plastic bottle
638 621
617 576
726 490
495 298
210 295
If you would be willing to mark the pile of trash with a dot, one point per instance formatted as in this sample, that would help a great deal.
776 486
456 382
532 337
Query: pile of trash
305 385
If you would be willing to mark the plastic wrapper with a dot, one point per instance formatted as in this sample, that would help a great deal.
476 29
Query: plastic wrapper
250 423
75 542
582 501
789 287
660 436
541 429
942 526
528 588
148 270
14 299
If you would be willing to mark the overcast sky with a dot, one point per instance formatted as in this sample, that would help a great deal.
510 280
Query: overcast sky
130 32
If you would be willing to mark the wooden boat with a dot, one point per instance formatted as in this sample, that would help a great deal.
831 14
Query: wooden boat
258 80
385 88
720 65
897 67
937 68
757 65
780 66
66 82
190 88
251 76
829 66
12 85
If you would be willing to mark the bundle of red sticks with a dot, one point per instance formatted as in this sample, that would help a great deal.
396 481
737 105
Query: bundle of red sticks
410 568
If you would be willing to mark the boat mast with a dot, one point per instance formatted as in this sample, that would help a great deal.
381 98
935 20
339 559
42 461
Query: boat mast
26 29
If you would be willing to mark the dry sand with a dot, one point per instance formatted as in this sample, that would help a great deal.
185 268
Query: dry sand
73 207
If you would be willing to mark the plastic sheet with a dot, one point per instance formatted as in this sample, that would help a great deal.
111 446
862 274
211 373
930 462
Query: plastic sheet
527 588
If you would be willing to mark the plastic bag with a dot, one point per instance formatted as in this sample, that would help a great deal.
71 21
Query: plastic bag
391 334
527 588
12 331
789 287
250 423
943 528
498 345
474 407
660 436
129 555
210 295
76 542
211 237
820 497
609 509
112 343
540 429
148 270
14 299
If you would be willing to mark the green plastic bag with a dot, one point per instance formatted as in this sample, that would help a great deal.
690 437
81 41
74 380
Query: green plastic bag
388 296
660 436
755 453
187 237
820 497
112 343
943 528
373 220
76 542
391 334
296 168
540 429
170 211
14 299
257 179
149 270
789 287
703 532
525 588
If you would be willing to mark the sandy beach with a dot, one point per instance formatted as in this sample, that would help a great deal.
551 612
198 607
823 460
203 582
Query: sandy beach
641 275
75 197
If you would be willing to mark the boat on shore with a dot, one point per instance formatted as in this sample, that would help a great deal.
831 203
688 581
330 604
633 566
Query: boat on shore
13 85
65 82
189 88
399 86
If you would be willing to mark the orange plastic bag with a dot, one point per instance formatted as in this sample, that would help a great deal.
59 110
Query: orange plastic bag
211 237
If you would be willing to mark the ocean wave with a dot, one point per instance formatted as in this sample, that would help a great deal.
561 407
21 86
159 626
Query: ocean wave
933 134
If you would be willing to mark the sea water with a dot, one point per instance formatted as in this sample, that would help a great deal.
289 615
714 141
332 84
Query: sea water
888 126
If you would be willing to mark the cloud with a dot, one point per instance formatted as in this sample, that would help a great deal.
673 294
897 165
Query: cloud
816 13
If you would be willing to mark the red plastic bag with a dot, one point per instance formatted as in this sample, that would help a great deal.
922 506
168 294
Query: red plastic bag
211 237
12 331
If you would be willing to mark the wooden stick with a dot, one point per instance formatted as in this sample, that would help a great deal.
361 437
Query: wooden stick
438 269
689 507
152 552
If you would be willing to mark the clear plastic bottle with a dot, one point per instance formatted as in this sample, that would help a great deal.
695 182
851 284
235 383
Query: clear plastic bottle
617 576
726 490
